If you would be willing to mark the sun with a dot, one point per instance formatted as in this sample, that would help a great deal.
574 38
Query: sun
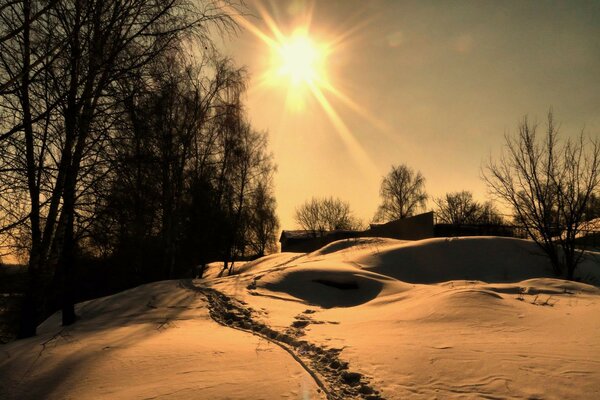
300 59
297 64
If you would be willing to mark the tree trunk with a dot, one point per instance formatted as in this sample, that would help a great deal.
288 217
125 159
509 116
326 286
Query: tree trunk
30 306
67 258
29 310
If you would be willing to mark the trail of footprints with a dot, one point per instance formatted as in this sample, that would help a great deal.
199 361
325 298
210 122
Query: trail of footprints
332 374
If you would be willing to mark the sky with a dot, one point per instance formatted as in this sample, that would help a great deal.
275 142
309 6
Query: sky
433 85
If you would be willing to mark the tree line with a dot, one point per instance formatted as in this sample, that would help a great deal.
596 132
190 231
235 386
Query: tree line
122 144
403 195
552 187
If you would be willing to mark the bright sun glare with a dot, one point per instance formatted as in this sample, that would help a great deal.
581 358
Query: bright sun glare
300 60
298 65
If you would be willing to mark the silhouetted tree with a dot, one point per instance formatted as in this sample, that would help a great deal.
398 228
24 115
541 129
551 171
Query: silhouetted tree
263 223
460 208
593 207
549 187
402 194
489 214
320 215
58 63
185 169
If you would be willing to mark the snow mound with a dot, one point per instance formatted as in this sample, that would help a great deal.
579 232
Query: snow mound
268 262
468 305
328 285
475 317
354 244
354 272
489 259
546 286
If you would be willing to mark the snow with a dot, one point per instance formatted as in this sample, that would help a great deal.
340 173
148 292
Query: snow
479 317
152 342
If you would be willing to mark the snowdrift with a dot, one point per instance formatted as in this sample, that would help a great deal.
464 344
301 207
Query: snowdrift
362 318
477 317
155 341
355 271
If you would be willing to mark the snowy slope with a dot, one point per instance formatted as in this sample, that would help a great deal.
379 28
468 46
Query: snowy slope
362 318
152 342
440 318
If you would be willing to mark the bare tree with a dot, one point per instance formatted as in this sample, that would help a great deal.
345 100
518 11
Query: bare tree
320 215
549 185
593 208
188 171
489 214
402 194
262 221
460 208
58 62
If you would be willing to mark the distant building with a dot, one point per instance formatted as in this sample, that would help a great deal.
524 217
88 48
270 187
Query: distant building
412 228
589 235
418 227
307 241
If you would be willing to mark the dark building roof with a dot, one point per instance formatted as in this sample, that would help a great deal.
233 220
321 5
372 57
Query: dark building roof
305 234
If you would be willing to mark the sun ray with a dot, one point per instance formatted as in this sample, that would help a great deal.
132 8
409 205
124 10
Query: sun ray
255 30
356 150
363 112
346 34
279 36
298 64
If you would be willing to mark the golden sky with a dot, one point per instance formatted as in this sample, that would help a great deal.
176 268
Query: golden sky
347 88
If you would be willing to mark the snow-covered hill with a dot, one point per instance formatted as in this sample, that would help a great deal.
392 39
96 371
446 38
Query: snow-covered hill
363 318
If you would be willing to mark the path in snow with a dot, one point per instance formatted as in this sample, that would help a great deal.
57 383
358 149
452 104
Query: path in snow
331 374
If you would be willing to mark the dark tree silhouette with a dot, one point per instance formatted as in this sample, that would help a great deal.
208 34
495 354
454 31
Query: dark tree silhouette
58 64
460 208
593 207
549 187
187 172
263 223
320 215
402 194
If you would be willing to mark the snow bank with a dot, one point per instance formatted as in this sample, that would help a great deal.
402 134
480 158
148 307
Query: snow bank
155 341
438 318
490 259
327 286
475 317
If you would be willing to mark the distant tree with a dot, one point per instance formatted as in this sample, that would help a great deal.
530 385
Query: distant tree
402 194
460 208
549 187
190 180
593 208
489 214
320 215
457 208
262 221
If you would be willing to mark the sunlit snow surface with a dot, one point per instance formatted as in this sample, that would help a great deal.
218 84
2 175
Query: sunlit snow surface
438 318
